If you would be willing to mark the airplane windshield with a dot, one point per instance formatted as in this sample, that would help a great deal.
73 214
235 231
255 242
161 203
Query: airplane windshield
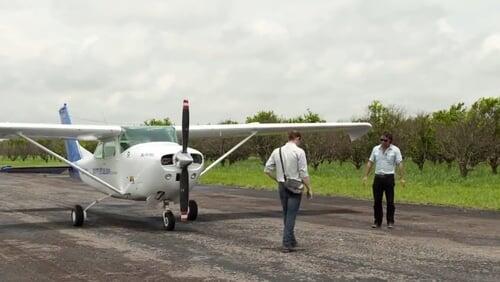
144 134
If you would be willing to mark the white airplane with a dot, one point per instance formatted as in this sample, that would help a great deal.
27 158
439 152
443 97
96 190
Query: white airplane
146 163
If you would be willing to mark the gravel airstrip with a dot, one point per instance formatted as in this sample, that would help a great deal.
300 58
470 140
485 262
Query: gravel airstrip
236 237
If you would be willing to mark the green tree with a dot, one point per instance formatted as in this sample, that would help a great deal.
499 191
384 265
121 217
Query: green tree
342 147
213 148
460 136
318 146
382 118
421 139
360 151
386 118
158 122
308 117
487 111
89 145
263 146
15 148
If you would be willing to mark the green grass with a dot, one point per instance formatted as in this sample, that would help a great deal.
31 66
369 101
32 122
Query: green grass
29 162
436 185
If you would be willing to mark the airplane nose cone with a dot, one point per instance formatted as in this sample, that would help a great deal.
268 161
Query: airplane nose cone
183 159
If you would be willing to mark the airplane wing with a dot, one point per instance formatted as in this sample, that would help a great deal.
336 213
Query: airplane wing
95 132
64 131
354 129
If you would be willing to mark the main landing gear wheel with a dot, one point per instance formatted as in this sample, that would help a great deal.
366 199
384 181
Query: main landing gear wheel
77 216
168 220
192 210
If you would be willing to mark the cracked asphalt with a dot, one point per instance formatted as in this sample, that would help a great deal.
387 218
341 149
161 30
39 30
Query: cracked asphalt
236 237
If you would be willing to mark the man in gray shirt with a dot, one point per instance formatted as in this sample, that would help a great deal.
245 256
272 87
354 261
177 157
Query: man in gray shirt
386 157
294 162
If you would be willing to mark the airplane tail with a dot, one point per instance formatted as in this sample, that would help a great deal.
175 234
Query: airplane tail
73 149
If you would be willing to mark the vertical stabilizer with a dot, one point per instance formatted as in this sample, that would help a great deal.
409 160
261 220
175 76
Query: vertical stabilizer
72 147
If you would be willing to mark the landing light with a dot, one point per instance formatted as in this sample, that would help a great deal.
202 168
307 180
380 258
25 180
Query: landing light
193 176
168 176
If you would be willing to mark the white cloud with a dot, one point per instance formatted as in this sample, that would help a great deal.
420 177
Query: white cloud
165 82
127 61
491 44
269 29
444 26
88 42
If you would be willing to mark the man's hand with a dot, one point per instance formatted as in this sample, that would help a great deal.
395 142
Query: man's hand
307 186
369 165
309 194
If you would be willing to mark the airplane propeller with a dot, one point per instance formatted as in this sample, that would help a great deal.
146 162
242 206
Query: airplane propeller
184 159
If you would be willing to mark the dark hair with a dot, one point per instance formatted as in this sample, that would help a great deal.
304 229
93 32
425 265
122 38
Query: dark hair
294 134
387 135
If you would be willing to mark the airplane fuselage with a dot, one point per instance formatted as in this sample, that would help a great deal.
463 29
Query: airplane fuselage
142 170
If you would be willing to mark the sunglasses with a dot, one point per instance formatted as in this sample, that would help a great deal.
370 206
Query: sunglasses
384 140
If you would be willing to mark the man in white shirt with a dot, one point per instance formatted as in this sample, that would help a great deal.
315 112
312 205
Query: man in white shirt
386 157
292 160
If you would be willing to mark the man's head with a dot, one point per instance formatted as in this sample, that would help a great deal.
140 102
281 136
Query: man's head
294 136
386 139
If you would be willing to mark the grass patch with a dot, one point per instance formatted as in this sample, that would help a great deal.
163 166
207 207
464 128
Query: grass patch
29 162
436 185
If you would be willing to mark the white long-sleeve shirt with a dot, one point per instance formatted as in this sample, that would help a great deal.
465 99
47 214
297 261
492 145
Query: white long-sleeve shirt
294 160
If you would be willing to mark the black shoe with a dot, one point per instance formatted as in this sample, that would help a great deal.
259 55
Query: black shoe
390 225
287 249
375 225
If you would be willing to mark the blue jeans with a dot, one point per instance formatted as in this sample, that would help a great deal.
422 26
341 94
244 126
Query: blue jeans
291 204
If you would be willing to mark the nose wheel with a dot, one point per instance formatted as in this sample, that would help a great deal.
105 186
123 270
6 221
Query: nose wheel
168 220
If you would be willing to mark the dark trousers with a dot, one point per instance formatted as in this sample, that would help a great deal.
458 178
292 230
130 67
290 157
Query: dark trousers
291 204
383 184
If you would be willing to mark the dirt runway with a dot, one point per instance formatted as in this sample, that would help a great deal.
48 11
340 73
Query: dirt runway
236 237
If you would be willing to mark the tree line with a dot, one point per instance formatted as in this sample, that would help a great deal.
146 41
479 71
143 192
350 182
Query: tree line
460 134
463 135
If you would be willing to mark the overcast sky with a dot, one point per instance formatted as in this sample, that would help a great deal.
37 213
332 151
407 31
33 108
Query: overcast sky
123 62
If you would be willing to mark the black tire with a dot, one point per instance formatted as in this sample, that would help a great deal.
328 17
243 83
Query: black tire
168 220
192 210
77 216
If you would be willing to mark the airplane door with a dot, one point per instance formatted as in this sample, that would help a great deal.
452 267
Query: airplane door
106 159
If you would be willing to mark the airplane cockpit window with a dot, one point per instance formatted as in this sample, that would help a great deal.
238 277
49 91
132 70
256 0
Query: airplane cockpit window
98 151
105 150
124 143
143 134
109 149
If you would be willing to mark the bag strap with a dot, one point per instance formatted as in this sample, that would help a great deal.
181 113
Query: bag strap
282 166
